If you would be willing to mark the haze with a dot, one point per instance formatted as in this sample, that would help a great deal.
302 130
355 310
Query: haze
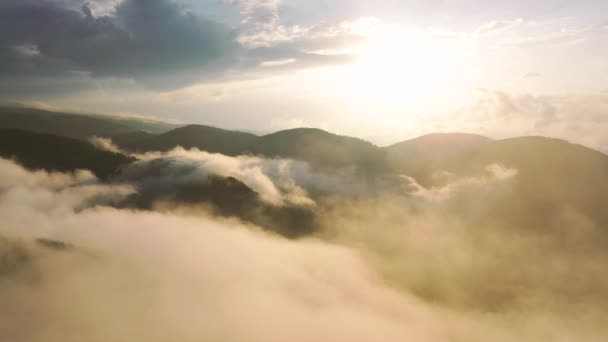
291 170
384 71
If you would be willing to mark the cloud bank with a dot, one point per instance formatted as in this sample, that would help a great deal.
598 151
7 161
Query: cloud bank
194 278
382 266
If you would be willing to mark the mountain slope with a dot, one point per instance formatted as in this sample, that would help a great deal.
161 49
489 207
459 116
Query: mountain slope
61 124
320 148
554 176
421 156
54 153
138 124
131 141
205 138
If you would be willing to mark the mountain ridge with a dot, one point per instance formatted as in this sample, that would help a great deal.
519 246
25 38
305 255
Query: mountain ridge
551 174
56 153
121 131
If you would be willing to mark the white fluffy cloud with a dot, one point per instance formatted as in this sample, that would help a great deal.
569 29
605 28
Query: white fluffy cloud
134 275
153 277
272 179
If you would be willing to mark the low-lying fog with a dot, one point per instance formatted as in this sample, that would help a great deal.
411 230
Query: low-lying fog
135 259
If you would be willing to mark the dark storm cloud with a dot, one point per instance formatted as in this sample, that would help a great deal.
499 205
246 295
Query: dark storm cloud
148 41
158 43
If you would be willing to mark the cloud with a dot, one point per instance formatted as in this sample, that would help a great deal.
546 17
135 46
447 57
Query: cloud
524 34
574 117
155 42
462 246
532 74
498 26
27 50
504 102
276 63
105 144
556 37
269 178
262 192
257 14
383 265
278 182
15 174
270 41
543 112
60 192
493 176
158 43
196 277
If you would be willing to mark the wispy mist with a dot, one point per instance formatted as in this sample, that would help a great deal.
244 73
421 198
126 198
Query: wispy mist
393 260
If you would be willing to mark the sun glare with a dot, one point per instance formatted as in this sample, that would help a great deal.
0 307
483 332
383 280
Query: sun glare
395 72
397 69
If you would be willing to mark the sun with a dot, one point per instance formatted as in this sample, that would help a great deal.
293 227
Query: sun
400 69
395 72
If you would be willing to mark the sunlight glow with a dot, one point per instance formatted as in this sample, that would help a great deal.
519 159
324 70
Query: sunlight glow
394 73
399 67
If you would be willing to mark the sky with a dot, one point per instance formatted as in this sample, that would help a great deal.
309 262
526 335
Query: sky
383 70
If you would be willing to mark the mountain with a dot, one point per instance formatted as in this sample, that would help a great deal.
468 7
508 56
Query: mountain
55 153
436 146
61 124
132 141
228 197
205 138
138 124
76 125
421 156
320 148
553 175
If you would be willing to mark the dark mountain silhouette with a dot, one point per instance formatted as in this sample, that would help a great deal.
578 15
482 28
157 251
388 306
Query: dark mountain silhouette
77 125
227 196
61 124
137 124
130 140
205 138
54 153
553 174
318 147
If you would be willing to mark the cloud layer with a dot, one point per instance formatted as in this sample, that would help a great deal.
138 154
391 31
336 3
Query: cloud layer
409 263
194 278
